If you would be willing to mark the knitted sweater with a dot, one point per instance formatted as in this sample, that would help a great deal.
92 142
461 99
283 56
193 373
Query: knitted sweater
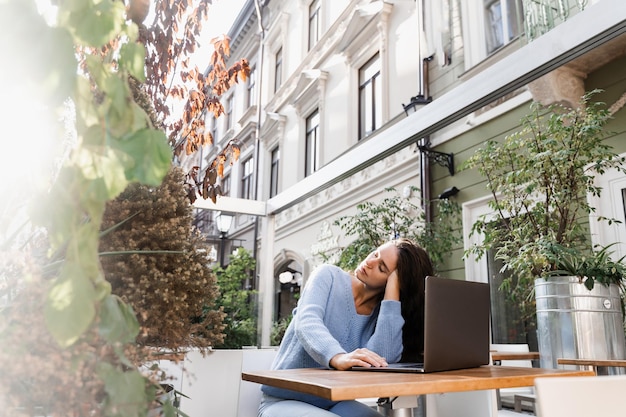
325 323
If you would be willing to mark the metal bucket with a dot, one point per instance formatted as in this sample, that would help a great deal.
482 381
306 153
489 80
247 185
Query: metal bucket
575 323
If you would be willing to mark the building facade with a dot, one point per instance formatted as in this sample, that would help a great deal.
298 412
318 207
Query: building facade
342 93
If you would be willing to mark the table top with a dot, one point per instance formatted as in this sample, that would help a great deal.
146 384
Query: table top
349 385
503 356
592 362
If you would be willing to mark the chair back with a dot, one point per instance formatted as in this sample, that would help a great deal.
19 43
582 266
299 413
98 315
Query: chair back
249 392
583 396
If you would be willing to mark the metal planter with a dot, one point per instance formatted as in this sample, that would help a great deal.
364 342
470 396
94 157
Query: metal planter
573 322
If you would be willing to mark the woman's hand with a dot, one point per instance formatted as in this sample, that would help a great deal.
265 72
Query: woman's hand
392 289
358 357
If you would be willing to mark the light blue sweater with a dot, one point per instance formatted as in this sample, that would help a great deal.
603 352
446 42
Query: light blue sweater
326 323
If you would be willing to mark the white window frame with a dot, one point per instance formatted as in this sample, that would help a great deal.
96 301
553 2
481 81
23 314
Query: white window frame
229 110
272 136
317 160
275 40
367 33
252 88
247 178
375 88
475 269
319 21
474 36
274 177
610 204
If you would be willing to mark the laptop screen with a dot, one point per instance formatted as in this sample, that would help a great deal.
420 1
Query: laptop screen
456 328
456 331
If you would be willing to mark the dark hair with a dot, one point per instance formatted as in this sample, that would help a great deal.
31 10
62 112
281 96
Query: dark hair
414 265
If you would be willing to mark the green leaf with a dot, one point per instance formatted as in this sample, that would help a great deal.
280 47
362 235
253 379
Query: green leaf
151 154
126 391
103 167
69 308
132 59
118 92
119 109
96 22
117 321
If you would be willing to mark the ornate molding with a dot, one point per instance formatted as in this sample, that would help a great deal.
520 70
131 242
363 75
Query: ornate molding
319 203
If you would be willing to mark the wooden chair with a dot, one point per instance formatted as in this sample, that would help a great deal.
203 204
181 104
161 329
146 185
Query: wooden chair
583 396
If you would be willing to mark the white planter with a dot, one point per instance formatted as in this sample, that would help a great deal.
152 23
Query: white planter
575 323
212 384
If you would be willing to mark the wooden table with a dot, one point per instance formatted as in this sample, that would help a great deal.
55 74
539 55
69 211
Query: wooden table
515 356
348 385
600 366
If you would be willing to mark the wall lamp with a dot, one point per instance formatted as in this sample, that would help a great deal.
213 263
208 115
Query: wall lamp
440 158
448 192
417 100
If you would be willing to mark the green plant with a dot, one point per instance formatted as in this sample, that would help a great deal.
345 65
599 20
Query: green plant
395 216
539 178
596 267
278 330
237 301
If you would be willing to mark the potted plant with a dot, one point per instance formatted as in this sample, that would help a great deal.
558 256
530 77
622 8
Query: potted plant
540 178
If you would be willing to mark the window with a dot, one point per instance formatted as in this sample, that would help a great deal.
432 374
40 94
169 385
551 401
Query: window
246 179
315 23
370 97
509 322
250 97
610 204
229 113
214 129
502 22
203 219
311 155
226 185
274 172
490 27
278 69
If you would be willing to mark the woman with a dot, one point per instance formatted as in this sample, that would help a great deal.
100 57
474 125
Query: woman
353 319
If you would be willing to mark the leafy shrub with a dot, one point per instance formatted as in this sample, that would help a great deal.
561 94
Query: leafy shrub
238 301
158 264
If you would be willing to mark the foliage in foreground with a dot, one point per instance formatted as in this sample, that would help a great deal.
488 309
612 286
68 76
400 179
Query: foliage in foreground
39 377
69 342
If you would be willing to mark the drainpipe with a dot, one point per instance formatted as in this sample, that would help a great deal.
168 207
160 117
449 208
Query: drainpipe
257 150
257 133
425 181
424 98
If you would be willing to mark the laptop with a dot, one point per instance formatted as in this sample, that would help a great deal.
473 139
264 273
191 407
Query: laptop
456 328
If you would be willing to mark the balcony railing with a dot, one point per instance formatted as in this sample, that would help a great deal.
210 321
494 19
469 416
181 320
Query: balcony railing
540 16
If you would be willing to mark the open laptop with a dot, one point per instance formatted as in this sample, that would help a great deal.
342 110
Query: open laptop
456 328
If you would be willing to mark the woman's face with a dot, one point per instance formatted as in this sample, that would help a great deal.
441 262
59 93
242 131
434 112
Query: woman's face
375 269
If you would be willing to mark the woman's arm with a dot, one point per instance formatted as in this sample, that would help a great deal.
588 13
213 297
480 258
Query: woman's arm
320 290
387 337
